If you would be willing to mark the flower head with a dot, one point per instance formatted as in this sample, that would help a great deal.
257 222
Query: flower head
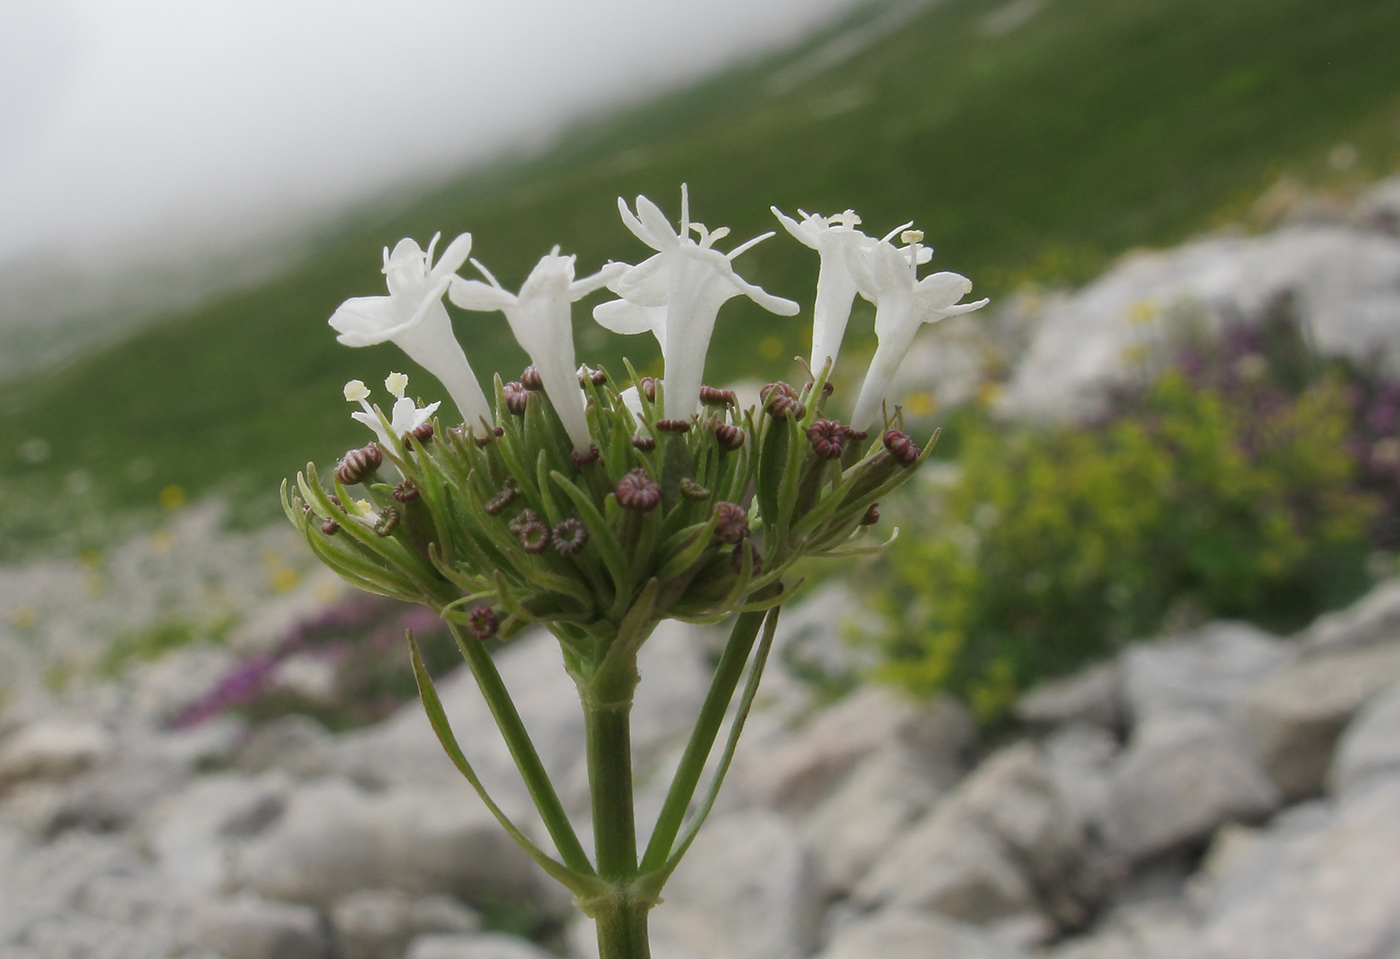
888 277
413 317
689 279
539 316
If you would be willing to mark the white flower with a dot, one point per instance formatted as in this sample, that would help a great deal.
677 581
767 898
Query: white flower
836 240
412 316
407 416
539 316
903 302
691 281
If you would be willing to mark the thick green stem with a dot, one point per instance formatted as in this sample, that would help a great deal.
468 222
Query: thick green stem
622 929
609 737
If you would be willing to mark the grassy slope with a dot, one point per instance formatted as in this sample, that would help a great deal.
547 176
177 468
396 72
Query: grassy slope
1097 126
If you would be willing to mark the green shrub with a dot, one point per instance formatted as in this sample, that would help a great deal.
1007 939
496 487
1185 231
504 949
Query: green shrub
1048 548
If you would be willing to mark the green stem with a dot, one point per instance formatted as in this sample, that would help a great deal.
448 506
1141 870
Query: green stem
622 929
609 738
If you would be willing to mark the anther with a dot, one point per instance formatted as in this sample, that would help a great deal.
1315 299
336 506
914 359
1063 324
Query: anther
569 537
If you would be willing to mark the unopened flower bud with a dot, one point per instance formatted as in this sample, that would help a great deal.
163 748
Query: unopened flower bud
482 622
517 396
484 439
355 465
388 522
730 437
644 443
500 501
855 436
828 388
596 377
780 399
330 527
871 517
569 537
405 492
673 426
423 433
733 523
521 519
534 536
637 491
580 460
647 386
712 396
902 447
530 379
692 490
828 439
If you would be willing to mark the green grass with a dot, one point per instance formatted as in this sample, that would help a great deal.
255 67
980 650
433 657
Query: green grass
1098 126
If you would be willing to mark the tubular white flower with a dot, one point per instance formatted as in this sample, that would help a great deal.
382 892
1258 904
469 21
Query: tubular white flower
691 280
539 316
413 317
837 242
903 303
406 416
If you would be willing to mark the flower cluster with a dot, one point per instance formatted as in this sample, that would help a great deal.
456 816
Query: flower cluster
573 498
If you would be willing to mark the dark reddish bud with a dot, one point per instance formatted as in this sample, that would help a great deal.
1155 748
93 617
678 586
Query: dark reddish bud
692 490
647 387
644 443
581 460
855 436
517 396
330 527
780 399
673 426
485 438
569 537
335 500
738 557
355 465
388 522
500 501
828 439
902 447
871 517
596 377
827 388
636 491
534 537
733 523
730 437
405 492
711 396
482 622
521 520
530 379
423 433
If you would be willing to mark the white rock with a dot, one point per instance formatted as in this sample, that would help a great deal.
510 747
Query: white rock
1210 670
379 923
486 946
53 749
1293 718
1374 618
899 934
849 830
335 839
1346 284
1327 888
1092 696
250 928
1369 750
797 774
1181 777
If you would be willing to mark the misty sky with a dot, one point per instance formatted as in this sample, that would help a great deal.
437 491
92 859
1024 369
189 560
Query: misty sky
118 117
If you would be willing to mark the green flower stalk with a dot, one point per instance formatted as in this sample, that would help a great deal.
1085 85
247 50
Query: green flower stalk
597 512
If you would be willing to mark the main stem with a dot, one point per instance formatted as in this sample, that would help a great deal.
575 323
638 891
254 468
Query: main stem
621 919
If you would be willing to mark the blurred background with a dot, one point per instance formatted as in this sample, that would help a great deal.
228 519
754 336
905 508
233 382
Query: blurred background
1181 409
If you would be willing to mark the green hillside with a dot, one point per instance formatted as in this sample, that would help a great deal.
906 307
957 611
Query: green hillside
1039 151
